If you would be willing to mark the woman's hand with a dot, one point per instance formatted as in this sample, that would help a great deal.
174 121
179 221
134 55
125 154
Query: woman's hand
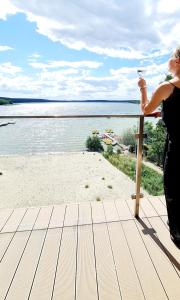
141 83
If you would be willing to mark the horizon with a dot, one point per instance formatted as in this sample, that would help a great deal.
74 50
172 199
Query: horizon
79 50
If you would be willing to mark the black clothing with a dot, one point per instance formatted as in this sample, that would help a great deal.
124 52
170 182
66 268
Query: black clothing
171 118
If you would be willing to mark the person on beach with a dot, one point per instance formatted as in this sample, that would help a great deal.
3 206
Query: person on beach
169 94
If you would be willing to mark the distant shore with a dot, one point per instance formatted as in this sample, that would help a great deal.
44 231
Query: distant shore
31 100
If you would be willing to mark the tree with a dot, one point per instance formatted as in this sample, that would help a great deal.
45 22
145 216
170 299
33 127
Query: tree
94 144
128 137
155 152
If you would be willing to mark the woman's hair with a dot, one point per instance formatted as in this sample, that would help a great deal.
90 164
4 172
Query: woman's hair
177 52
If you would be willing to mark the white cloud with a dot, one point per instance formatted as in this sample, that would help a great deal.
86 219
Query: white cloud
168 7
76 83
61 64
9 68
124 29
7 8
5 48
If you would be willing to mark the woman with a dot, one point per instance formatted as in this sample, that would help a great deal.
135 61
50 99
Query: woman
169 94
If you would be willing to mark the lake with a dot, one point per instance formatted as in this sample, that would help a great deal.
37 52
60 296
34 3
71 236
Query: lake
59 135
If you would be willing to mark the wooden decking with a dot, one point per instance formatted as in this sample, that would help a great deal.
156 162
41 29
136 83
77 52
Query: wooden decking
88 251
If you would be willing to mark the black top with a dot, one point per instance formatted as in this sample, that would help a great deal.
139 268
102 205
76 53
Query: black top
171 115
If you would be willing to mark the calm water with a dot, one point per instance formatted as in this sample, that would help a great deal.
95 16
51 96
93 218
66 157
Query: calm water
36 136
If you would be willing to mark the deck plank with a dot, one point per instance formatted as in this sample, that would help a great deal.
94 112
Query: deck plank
71 217
64 286
158 206
123 210
150 282
15 220
5 214
86 286
9 231
164 237
29 219
12 259
44 278
110 211
85 214
164 267
127 275
57 218
148 208
10 262
21 284
97 212
106 275
43 218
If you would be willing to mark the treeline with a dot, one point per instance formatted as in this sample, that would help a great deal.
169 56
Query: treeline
5 101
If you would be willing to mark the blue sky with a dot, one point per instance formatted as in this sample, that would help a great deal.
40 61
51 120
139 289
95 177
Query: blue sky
83 50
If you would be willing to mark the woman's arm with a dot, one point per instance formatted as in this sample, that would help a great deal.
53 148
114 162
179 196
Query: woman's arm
161 93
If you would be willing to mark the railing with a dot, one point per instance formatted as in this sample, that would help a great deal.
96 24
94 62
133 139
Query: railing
140 136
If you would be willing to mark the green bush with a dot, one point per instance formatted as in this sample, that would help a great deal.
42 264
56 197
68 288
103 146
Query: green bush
109 149
151 180
94 144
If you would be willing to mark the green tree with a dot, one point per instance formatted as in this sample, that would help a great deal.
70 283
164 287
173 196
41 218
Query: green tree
94 144
128 137
155 151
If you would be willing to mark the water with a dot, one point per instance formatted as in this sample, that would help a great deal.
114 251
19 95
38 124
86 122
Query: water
59 135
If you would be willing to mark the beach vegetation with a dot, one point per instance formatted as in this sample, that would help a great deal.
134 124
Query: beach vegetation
98 199
86 186
109 186
151 180
110 149
94 144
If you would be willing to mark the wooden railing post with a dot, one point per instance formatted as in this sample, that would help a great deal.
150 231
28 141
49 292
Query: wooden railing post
138 194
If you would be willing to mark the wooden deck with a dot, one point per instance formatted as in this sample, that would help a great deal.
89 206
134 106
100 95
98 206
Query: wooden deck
88 251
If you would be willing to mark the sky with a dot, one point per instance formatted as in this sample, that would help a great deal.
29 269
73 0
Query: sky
82 49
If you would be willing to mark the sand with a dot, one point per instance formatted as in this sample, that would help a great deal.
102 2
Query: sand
43 179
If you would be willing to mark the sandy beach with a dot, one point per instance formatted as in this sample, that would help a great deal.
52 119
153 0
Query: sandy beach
43 179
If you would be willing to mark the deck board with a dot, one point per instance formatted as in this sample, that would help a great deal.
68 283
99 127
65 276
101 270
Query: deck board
127 275
86 285
58 215
106 275
5 214
21 284
158 205
64 286
164 267
15 220
92 250
146 271
44 278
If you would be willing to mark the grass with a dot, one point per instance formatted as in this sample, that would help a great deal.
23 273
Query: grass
98 199
109 186
151 180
